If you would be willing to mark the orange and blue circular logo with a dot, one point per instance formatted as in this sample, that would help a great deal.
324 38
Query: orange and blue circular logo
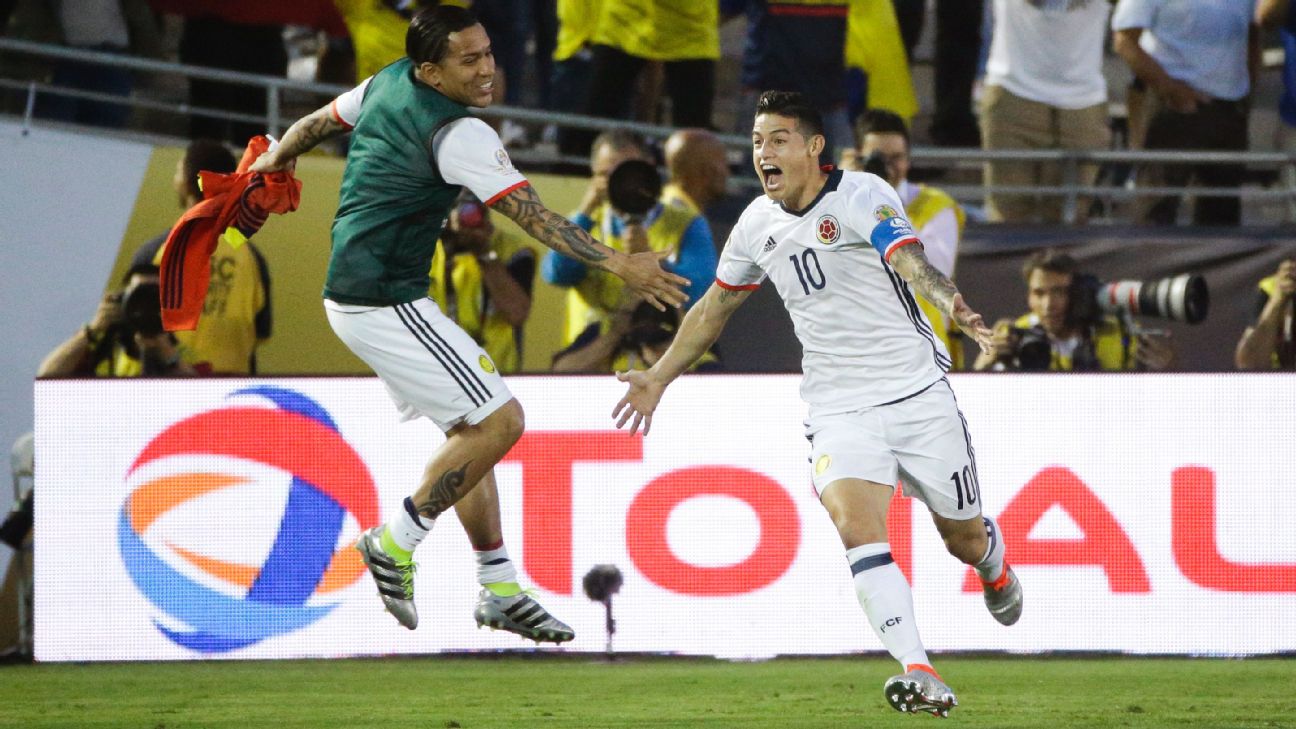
207 464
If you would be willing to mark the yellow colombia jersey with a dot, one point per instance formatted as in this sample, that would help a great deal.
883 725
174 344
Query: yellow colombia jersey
1109 346
926 205
576 21
600 292
873 44
377 34
467 304
236 312
661 30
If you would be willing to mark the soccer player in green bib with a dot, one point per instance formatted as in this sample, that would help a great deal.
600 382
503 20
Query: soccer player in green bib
414 144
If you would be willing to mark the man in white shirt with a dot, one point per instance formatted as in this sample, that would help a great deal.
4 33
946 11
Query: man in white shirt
843 257
1044 89
1197 59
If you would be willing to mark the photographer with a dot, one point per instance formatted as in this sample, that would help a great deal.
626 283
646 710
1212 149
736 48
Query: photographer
882 148
633 338
678 232
1269 342
123 339
1060 334
482 281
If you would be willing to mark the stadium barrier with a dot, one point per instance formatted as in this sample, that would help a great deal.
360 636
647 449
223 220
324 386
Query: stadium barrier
180 520
282 94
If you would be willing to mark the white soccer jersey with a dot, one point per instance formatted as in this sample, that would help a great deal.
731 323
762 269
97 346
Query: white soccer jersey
864 339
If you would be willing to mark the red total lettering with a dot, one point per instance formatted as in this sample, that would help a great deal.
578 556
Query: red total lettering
1196 549
1104 543
547 460
780 531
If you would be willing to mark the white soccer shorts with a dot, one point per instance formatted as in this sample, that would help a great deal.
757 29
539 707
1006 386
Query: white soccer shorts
922 440
430 366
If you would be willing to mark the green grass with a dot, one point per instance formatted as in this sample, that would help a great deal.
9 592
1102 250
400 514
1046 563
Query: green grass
521 692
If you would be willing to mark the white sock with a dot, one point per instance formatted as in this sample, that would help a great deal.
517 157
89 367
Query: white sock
992 564
884 594
494 565
408 528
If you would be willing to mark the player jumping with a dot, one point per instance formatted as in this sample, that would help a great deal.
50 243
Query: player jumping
413 145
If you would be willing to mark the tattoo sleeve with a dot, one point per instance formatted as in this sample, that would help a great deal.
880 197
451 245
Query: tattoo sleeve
446 490
523 207
911 263
306 133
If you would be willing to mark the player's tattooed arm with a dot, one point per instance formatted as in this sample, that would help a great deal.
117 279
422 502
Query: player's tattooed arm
642 272
700 329
912 264
304 135
523 207
442 493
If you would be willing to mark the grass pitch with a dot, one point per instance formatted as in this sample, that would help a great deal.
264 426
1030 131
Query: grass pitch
576 691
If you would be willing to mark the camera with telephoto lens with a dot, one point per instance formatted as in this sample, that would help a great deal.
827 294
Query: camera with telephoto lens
1033 350
876 163
650 327
633 188
1182 298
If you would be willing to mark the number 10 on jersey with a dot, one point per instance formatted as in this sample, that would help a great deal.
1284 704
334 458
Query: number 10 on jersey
811 277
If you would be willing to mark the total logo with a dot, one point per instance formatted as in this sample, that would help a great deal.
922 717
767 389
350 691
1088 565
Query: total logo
224 469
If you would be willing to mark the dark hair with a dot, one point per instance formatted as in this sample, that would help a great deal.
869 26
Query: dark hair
205 154
880 121
792 104
1049 260
619 140
428 37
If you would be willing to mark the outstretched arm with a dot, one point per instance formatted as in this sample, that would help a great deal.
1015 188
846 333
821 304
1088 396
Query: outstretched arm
303 136
701 327
911 263
642 272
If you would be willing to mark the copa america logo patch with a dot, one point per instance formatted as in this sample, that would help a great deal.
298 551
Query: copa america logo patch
241 585
882 212
827 229
502 159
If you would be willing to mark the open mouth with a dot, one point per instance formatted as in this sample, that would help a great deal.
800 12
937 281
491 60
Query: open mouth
772 176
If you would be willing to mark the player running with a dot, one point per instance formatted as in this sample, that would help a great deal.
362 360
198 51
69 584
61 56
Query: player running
843 257
413 146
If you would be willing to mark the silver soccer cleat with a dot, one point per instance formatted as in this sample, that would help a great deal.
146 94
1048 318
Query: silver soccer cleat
918 690
395 579
1003 597
522 615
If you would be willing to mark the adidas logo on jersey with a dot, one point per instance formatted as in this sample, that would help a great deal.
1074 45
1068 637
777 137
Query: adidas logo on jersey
770 244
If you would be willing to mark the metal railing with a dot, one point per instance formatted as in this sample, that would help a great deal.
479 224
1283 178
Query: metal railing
969 160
